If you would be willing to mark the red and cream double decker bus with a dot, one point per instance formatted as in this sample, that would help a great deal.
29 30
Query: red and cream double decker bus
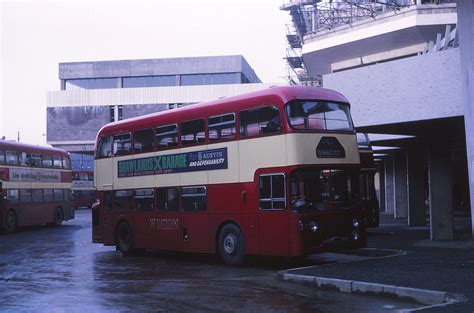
369 202
273 172
35 186
83 190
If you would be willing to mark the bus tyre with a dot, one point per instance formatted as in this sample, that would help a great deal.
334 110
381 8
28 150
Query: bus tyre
124 239
231 245
10 222
58 217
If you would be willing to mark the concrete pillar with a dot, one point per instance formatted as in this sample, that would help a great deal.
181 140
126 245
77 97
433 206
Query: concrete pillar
416 184
441 192
466 46
389 186
381 176
400 183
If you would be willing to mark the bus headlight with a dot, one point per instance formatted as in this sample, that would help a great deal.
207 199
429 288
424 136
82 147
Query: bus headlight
355 223
300 225
313 226
355 235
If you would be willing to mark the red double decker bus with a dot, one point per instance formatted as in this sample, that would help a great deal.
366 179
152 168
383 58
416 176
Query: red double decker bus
83 190
273 172
35 186
369 202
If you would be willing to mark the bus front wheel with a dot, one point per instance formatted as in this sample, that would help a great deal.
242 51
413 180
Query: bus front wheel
124 239
231 245
10 223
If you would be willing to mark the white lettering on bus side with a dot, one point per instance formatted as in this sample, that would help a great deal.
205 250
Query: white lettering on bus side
164 223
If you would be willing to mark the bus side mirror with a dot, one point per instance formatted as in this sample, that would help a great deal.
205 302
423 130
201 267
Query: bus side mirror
1 187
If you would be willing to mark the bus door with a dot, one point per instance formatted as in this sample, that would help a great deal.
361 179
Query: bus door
164 223
194 219
272 220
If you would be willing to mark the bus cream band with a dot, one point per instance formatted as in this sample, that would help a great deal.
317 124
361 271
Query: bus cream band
244 158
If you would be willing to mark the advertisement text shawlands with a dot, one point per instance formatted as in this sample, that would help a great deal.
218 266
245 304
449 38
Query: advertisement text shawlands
205 160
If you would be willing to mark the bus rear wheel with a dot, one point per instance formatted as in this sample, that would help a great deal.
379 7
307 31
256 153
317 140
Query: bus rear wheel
58 217
231 245
10 222
124 239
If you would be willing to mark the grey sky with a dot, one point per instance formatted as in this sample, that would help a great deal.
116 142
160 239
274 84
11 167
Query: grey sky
36 36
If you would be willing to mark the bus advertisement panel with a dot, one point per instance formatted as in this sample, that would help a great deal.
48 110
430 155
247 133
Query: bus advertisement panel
273 172
35 186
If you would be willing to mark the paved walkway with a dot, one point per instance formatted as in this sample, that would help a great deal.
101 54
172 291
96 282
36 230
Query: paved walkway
441 266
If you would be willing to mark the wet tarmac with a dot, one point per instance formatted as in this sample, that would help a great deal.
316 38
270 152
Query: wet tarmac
45 269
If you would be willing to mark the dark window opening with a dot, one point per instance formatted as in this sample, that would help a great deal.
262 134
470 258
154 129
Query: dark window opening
265 120
193 132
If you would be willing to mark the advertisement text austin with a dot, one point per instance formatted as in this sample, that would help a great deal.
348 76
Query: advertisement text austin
205 160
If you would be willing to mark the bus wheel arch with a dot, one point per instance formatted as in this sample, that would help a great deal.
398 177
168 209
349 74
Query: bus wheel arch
11 221
124 238
231 244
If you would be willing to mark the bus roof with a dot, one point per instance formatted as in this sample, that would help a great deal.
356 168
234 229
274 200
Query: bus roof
23 147
272 95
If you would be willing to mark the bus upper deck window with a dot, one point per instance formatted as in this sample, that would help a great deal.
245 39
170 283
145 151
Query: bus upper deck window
318 115
2 157
143 140
193 132
105 147
122 144
66 163
36 160
25 159
12 157
47 161
166 137
260 121
221 127
57 162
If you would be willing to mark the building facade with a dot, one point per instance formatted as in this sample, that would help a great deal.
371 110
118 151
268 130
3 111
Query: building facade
398 62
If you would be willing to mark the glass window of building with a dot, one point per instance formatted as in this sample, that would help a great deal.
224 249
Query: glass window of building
149 81
209 79
91 83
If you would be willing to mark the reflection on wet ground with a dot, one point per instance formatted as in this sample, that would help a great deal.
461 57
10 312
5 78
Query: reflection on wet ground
60 270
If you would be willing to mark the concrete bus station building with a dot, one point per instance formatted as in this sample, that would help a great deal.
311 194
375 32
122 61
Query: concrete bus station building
400 64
